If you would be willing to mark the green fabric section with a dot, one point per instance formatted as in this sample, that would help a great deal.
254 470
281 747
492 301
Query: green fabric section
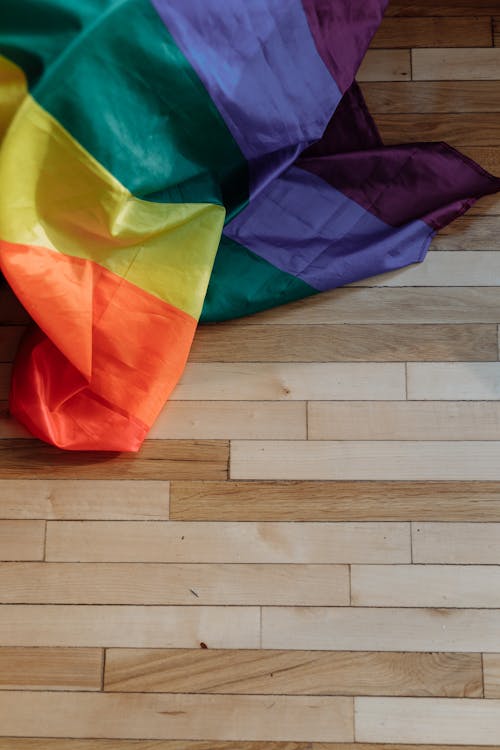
242 283
127 94
33 33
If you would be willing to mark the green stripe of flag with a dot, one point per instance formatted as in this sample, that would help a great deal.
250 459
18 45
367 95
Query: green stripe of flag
242 283
116 80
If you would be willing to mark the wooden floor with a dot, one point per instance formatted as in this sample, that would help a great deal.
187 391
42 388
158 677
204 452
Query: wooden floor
306 553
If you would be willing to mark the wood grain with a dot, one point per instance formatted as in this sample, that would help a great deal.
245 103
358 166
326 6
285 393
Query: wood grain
291 381
455 64
199 420
22 540
50 668
491 669
385 65
433 32
420 720
403 420
227 542
380 629
464 268
140 583
370 459
20 743
293 672
465 543
488 157
253 614
235 342
404 97
464 129
425 585
335 501
469 233
452 381
487 206
386 304
128 626
414 8
157 459
84 499
177 716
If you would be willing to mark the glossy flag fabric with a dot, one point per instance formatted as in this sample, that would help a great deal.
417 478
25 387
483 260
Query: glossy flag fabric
169 161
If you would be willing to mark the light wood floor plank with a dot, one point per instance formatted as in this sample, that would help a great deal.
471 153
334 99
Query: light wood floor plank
50 668
68 499
293 672
236 342
380 629
128 626
385 65
491 671
157 459
433 32
469 233
335 501
371 459
387 304
177 716
455 64
18 743
395 97
425 585
22 540
203 590
427 720
403 420
464 129
456 543
292 381
95 744
445 268
453 381
227 542
199 420
156 583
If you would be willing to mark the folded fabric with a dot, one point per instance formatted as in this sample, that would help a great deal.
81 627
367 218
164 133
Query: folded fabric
165 161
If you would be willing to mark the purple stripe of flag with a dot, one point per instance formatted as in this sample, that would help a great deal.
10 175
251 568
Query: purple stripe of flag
259 62
431 181
342 30
305 227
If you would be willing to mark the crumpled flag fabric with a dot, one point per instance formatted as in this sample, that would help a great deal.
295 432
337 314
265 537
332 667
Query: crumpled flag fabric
169 161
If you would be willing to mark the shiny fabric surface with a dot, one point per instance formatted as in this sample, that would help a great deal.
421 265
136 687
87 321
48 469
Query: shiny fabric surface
165 162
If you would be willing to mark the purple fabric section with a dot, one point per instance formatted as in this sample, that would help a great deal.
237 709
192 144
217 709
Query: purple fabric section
342 30
259 62
431 181
305 227
351 128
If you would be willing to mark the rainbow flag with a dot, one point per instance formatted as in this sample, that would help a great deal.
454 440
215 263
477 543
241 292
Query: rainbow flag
169 161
